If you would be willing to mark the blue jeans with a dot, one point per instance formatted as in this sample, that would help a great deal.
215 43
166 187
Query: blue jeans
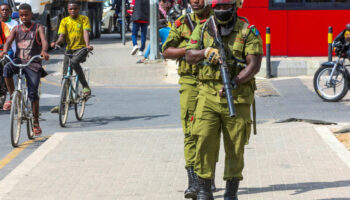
135 30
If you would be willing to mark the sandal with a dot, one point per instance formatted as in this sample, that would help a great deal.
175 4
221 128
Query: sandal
7 105
37 130
86 92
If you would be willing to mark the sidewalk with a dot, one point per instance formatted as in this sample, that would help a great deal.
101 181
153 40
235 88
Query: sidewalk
283 162
111 65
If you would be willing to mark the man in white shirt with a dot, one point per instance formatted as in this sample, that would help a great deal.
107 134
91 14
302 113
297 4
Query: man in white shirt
5 12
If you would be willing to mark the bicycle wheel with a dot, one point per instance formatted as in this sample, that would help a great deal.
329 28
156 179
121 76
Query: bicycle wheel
30 131
79 101
16 118
333 90
64 103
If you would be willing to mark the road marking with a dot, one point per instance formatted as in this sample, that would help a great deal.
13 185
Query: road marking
11 180
47 96
50 82
14 153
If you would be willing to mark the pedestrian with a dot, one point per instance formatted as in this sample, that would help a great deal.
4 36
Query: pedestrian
164 30
31 41
5 12
175 48
164 7
242 43
74 31
140 18
4 33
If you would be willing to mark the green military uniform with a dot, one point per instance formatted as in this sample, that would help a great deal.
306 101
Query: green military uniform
178 37
212 111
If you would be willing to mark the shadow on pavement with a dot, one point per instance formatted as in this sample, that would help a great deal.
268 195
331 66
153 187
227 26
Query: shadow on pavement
100 121
38 143
298 188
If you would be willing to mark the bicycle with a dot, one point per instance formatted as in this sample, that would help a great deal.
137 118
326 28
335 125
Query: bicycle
21 110
70 93
332 79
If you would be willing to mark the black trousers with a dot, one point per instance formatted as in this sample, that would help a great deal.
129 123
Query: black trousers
76 66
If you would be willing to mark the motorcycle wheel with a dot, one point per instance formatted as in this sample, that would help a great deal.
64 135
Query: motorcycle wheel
333 91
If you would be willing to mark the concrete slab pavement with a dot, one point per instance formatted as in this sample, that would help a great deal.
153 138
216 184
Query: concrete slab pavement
284 161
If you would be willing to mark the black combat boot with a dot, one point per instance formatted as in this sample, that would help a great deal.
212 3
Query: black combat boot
204 192
192 190
231 189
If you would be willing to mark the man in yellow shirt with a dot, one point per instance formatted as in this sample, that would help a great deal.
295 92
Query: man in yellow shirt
74 30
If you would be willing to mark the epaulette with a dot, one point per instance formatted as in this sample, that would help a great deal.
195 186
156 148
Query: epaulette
203 21
245 29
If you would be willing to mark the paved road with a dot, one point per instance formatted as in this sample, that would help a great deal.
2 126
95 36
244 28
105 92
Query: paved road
134 96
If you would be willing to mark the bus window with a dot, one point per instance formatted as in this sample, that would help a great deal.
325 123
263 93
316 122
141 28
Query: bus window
309 4
318 1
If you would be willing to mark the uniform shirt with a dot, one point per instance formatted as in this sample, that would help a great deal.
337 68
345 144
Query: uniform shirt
73 29
242 41
11 24
178 37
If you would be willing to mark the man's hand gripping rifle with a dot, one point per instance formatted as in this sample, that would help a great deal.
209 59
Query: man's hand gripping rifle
226 79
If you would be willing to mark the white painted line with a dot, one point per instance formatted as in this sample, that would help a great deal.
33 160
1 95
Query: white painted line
47 96
334 144
11 180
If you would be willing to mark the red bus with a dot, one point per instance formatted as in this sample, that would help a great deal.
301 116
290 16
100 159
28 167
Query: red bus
298 27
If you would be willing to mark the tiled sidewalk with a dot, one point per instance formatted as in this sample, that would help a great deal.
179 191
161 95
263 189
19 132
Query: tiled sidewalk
284 161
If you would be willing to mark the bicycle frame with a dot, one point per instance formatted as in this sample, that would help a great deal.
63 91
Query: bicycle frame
72 89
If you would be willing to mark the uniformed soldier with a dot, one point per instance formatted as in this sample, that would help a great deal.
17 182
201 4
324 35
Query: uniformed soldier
244 51
174 48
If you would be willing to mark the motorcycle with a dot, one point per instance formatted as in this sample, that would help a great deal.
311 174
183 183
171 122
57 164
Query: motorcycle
332 80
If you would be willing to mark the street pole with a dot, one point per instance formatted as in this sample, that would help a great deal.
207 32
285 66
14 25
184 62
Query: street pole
268 52
154 42
330 41
123 21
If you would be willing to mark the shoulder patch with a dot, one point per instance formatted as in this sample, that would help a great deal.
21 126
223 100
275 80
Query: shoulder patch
254 30
203 21
178 23
194 41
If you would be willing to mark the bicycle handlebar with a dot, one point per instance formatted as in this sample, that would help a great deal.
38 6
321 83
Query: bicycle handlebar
65 52
23 65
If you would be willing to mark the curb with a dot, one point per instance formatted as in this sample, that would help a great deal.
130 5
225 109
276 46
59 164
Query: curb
11 180
329 138
280 67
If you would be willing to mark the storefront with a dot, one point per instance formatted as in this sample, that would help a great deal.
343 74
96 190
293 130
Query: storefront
298 27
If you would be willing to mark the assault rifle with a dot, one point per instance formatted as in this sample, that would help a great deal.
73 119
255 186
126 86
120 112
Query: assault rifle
226 79
189 22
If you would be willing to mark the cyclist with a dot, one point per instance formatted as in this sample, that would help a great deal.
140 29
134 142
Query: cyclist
74 30
30 40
